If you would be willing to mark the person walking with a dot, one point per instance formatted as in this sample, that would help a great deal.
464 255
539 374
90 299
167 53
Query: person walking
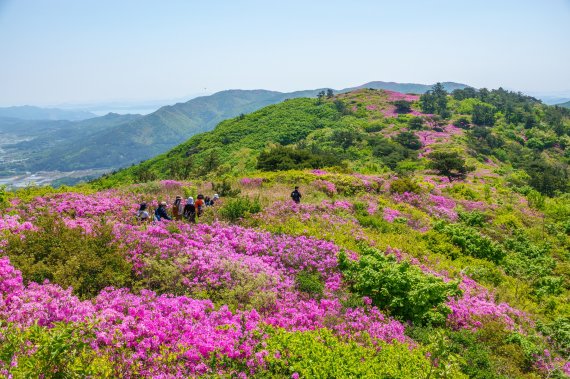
296 195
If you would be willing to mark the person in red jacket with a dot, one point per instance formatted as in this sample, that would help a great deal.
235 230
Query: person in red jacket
199 205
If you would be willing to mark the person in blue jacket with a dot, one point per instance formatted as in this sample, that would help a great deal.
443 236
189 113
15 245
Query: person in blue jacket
160 212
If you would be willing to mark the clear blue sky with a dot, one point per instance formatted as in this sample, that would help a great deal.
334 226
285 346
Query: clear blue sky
56 51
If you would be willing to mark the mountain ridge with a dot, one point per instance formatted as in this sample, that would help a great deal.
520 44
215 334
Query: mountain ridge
30 112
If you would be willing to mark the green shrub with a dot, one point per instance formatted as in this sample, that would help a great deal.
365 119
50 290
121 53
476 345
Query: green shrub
310 282
57 352
449 164
559 333
235 209
225 189
404 184
482 271
409 140
3 197
474 218
416 123
400 288
490 352
471 242
70 257
287 158
320 354
373 127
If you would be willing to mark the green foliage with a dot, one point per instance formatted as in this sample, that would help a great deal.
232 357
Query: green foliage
310 282
474 218
403 106
288 158
401 289
483 114
558 332
483 271
533 264
56 352
405 184
389 152
547 178
462 122
224 189
435 101
490 352
239 207
409 140
448 163
320 354
3 197
471 242
415 123
69 257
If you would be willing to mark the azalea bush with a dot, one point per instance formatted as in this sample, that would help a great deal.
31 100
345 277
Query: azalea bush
234 209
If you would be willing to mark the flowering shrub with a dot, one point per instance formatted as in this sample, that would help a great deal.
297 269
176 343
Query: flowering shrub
391 214
476 304
251 182
171 184
325 186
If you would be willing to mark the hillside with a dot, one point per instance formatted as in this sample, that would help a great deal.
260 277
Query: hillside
27 112
431 241
26 143
564 105
364 131
120 144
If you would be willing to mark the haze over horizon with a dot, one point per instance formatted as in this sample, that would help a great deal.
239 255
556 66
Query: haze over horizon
62 51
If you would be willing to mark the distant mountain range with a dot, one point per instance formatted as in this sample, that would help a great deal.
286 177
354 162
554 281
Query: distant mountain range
406 87
115 141
565 105
28 112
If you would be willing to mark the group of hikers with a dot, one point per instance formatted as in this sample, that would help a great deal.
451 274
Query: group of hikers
189 209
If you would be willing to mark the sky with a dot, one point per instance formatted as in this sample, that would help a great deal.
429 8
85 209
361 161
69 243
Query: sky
87 51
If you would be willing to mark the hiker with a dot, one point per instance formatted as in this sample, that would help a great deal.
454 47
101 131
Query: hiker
160 212
215 199
199 205
207 201
177 208
142 214
190 210
296 195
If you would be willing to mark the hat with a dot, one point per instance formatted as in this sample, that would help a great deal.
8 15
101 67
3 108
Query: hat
178 197
190 200
163 203
216 196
